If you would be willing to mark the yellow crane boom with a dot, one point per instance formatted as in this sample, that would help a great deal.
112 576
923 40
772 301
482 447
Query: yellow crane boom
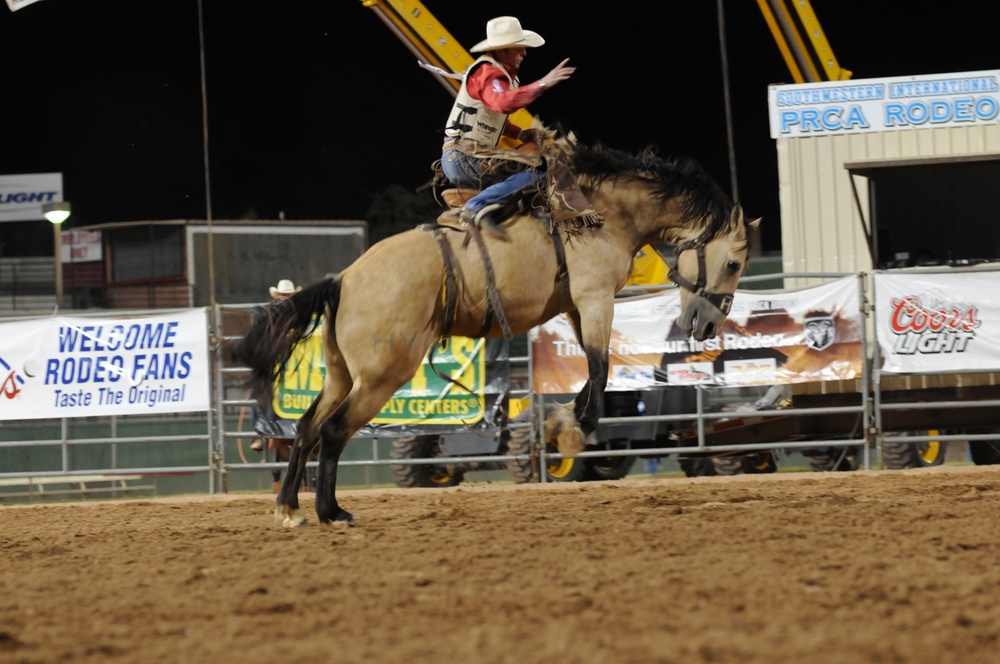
810 59
426 38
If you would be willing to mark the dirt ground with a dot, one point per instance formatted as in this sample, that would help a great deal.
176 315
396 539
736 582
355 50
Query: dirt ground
878 566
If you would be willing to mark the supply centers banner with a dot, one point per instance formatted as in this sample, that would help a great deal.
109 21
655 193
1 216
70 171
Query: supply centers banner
81 367
770 337
460 390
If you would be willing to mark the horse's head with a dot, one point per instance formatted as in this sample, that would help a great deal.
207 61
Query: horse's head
677 201
708 269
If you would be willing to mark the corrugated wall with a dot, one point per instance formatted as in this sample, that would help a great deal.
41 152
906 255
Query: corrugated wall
821 230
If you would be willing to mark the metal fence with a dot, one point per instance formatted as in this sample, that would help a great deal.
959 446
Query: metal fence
206 452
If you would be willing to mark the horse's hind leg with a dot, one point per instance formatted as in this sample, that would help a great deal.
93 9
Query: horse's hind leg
360 406
333 436
287 504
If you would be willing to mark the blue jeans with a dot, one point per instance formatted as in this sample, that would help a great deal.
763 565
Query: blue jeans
465 171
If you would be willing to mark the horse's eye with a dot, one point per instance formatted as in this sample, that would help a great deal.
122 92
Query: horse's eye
733 266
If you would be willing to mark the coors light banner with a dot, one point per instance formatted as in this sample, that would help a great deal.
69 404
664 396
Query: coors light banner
781 336
934 322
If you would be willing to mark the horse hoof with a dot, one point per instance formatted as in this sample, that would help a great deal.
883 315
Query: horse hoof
560 419
294 522
289 518
342 516
570 442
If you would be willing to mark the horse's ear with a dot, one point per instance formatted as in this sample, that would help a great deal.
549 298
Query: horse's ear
736 219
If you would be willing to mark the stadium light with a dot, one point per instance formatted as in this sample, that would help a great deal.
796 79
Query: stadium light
57 213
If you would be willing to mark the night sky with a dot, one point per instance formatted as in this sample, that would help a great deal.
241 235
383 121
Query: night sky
314 106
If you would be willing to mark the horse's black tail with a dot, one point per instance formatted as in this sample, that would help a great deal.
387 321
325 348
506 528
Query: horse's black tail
278 327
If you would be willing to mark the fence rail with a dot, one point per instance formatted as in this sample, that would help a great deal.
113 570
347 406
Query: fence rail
207 452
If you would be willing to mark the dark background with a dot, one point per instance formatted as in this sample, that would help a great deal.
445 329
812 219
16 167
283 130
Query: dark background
317 111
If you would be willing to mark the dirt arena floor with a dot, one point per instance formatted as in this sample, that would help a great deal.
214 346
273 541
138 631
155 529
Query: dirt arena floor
878 566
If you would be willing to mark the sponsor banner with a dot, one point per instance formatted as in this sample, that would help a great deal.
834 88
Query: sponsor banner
430 398
81 246
937 322
22 196
82 367
428 402
18 4
884 104
788 336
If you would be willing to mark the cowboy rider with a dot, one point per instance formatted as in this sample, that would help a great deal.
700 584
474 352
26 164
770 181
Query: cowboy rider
471 156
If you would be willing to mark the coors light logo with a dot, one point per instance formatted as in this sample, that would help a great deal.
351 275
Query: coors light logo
934 327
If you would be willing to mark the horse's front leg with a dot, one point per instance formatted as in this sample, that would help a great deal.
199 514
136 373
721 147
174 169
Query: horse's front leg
570 429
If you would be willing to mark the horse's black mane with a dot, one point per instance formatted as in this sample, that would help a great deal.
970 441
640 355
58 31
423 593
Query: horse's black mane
700 195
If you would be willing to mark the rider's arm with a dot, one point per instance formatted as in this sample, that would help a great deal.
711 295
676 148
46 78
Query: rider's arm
489 85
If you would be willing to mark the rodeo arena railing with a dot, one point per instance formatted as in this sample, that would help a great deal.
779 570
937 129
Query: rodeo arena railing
124 403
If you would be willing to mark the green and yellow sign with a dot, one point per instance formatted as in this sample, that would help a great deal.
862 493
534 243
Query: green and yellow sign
302 379
426 399
430 398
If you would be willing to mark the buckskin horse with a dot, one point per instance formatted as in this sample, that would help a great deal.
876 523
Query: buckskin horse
381 315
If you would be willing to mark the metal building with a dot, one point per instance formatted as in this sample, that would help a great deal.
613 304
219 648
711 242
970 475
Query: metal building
889 172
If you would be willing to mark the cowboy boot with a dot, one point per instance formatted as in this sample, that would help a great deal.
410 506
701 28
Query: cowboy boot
486 219
450 217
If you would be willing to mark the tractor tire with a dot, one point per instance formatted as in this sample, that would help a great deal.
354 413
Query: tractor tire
760 463
985 452
831 459
413 476
559 470
898 456
520 443
599 469
697 466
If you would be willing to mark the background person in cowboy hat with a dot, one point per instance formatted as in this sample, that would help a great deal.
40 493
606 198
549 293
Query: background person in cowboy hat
285 288
490 92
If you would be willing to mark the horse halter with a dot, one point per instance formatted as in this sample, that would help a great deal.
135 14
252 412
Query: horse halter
721 301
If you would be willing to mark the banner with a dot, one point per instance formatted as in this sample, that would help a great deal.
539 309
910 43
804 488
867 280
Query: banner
427 403
17 4
884 104
787 336
83 367
430 404
22 196
927 323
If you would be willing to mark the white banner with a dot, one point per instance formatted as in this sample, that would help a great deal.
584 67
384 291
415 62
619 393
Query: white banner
937 322
81 367
884 104
17 4
81 246
770 337
22 196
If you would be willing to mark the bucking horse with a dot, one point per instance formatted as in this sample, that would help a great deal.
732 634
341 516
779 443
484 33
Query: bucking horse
381 315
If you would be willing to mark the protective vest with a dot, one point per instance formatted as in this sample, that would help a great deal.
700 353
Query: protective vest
469 118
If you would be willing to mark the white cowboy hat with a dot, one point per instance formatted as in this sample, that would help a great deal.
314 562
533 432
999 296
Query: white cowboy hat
284 288
506 32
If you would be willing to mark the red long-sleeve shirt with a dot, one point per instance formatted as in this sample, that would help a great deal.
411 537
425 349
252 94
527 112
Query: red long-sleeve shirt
489 85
